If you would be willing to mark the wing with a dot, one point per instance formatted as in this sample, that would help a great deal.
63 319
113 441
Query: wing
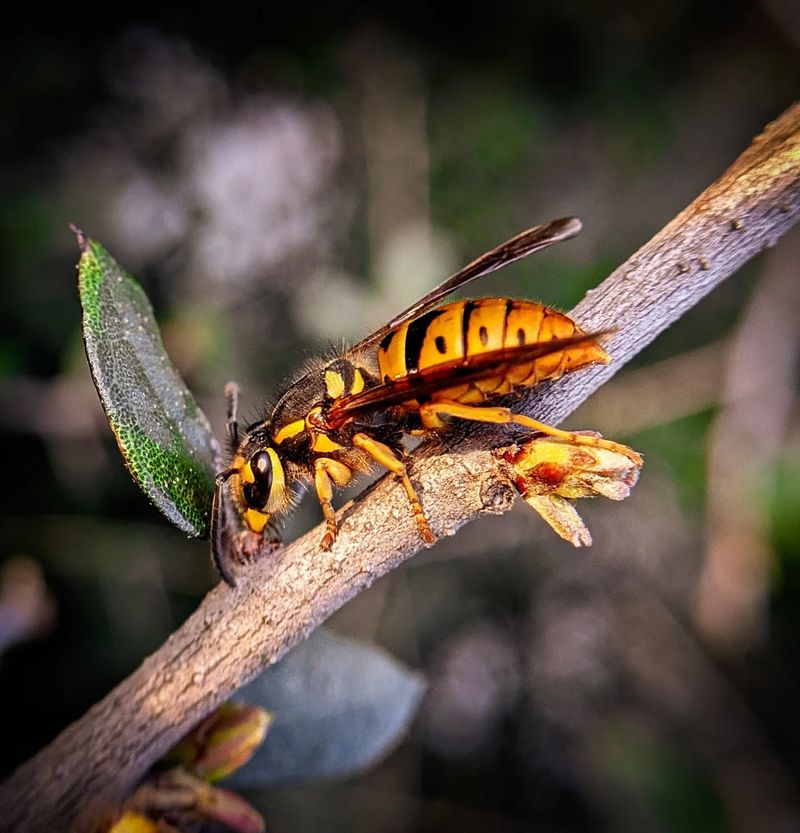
527 242
438 377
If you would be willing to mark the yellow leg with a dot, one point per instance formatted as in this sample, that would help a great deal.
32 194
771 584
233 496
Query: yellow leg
381 453
504 416
326 473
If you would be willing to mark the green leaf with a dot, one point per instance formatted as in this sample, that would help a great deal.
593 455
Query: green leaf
338 707
165 439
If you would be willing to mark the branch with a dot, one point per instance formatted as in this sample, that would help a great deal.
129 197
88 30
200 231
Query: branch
92 766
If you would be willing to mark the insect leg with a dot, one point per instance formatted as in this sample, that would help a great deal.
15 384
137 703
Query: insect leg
505 416
384 455
232 398
326 473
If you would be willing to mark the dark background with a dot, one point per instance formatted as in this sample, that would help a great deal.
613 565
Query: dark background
284 178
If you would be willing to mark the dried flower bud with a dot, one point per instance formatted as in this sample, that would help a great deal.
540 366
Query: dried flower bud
178 801
222 742
229 809
550 472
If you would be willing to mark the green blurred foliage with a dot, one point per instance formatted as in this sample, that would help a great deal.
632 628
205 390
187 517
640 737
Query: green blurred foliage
659 781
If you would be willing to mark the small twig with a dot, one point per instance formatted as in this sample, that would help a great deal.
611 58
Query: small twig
93 765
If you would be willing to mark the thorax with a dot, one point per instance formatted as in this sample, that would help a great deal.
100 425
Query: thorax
297 420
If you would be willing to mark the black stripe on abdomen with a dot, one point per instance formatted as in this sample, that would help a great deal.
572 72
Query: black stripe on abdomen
509 306
415 338
387 340
465 316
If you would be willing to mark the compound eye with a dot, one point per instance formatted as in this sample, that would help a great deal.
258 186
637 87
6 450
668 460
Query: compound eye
256 494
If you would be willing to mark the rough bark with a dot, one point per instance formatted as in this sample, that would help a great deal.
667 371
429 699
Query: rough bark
77 780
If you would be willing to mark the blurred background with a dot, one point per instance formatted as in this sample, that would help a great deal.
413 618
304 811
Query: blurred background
283 180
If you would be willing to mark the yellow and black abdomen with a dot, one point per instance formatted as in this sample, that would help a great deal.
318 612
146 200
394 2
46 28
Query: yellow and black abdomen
463 331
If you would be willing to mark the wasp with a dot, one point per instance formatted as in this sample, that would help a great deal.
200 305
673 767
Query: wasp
431 364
